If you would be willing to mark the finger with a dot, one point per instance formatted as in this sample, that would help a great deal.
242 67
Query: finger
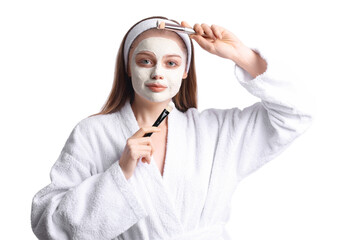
217 31
152 148
185 24
207 30
146 156
138 150
144 160
142 141
198 29
131 143
144 130
144 148
149 148
145 144
203 42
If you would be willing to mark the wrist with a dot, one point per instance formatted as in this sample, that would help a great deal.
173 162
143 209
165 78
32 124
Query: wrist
250 61
243 55
126 173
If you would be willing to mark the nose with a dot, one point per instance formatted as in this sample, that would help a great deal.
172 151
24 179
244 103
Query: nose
157 73
156 77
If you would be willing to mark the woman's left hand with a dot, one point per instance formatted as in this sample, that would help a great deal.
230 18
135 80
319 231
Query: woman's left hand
223 43
219 41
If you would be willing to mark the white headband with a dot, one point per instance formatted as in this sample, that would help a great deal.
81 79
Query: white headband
146 25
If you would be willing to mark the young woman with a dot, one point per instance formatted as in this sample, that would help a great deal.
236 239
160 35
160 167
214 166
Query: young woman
182 187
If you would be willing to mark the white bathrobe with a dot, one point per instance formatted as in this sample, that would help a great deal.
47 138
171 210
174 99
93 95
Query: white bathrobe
207 154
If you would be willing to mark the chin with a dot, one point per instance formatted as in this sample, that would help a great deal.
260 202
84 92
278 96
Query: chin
156 97
158 100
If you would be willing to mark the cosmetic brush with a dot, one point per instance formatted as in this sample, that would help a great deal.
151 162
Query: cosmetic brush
175 28
180 29
159 120
161 117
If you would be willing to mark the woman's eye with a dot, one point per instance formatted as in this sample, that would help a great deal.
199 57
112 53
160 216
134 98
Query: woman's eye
145 61
172 64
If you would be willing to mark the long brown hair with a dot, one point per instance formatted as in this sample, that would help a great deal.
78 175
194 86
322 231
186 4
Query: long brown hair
122 89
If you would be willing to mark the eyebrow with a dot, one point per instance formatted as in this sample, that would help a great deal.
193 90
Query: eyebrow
173 55
146 53
152 54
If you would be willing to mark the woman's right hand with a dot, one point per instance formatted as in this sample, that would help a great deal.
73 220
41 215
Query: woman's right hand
137 146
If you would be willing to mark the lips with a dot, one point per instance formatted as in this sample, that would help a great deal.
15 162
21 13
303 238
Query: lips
156 87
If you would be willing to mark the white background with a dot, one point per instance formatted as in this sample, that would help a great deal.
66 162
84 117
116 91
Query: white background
56 68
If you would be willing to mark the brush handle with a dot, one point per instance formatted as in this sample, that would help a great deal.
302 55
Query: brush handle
181 29
150 133
159 120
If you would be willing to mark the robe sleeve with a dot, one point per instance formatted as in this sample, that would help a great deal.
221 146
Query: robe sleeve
244 140
82 204
266 128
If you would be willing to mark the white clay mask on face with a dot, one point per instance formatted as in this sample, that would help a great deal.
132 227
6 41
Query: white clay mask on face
157 60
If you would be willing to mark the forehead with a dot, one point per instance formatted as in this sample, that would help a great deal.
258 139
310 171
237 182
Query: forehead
160 35
159 46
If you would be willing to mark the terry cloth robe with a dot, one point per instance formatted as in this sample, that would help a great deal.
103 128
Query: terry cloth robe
207 154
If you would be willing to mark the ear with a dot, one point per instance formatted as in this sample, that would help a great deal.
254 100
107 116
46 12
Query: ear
185 75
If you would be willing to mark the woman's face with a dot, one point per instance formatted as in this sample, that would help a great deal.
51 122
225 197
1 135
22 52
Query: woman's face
157 65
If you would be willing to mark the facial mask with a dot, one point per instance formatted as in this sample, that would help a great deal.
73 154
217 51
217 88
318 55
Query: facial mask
144 70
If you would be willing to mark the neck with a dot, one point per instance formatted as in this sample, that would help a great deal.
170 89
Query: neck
147 112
